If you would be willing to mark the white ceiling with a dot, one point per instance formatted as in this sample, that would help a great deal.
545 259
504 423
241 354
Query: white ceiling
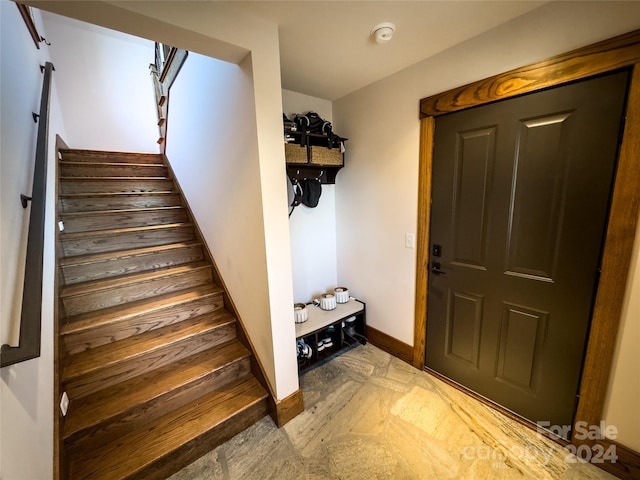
326 47
327 51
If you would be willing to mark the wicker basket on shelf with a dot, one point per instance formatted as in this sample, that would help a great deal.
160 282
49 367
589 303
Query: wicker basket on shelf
294 153
326 156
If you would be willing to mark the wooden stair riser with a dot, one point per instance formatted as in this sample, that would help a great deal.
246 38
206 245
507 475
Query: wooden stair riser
114 185
84 169
93 243
95 221
116 265
93 156
119 330
111 374
117 295
111 429
118 201
177 439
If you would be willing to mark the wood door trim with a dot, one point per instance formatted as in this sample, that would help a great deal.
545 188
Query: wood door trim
616 259
599 58
422 254
618 52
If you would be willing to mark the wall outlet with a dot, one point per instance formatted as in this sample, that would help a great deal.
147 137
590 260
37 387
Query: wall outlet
61 226
64 404
410 240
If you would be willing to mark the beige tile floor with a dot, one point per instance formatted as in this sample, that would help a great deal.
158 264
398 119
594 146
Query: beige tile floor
369 415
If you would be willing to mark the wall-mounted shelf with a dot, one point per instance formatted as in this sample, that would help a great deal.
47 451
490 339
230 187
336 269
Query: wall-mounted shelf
316 159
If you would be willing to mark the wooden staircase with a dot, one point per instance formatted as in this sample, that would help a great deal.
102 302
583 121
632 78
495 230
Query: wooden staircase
147 351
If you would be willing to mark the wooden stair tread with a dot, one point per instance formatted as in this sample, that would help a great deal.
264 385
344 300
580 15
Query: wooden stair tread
118 313
106 153
107 218
111 179
113 401
104 356
99 156
117 231
109 283
92 213
134 252
115 194
70 163
103 184
163 436
120 169
118 201
124 238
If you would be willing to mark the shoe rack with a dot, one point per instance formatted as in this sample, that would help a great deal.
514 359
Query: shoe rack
327 333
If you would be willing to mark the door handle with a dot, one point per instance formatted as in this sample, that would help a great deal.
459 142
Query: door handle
435 268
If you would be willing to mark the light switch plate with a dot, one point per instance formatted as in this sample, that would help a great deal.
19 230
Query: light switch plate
410 240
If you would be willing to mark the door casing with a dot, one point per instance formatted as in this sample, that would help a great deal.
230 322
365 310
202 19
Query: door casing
607 56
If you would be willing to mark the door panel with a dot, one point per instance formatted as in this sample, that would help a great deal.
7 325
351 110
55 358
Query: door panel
473 168
522 341
520 196
464 319
537 193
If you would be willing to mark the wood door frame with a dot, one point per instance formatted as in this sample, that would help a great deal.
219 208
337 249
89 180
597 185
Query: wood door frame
613 54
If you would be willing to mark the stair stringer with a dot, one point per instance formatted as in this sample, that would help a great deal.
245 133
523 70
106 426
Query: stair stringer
257 368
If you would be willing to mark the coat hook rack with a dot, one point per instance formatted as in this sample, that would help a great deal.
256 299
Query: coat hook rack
324 175
24 200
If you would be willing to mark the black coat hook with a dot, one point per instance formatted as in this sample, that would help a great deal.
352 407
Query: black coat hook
24 200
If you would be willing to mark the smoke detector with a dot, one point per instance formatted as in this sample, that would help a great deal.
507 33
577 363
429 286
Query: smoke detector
383 32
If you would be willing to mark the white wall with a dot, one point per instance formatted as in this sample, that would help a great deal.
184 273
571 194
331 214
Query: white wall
214 154
26 389
377 193
624 385
106 93
215 157
21 82
312 230
294 102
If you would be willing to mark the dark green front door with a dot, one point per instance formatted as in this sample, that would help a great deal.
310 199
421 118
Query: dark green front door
519 208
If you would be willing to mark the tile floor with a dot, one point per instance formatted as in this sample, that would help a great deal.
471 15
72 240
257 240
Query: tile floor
369 416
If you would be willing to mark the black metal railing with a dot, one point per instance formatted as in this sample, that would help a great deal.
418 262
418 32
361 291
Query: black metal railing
30 319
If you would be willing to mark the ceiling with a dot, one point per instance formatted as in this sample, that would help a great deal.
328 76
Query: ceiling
326 47
327 50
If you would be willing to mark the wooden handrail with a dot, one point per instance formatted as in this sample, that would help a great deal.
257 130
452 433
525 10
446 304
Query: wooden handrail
30 318
165 67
